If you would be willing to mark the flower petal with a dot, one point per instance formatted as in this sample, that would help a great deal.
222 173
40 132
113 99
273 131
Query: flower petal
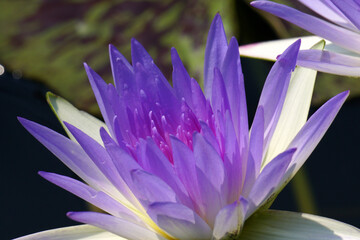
154 161
72 155
181 79
330 62
123 73
350 9
211 176
276 225
219 99
150 188
256 151
179 221
234 164
234 83
268 180
184 165
270 50
80 232
104 162
229 220
216 47
97 198
328 10
115 225
295 110
312 132
275 88
338 35
99 87
82 120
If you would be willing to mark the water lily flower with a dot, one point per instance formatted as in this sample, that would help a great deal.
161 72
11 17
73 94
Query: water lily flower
177 163
340 27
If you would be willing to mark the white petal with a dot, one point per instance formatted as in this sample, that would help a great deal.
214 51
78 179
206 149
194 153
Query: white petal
230 219
281 225
295 110
337 49
80 119
80 232
271 49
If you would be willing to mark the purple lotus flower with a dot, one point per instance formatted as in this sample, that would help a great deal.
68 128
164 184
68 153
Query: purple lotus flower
174 163
340 27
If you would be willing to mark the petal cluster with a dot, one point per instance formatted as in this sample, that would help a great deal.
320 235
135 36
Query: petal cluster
172 162
340 26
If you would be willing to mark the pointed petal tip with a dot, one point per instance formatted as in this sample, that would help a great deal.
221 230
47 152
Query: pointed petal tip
135 43
257 3
217 21
112 50
21 119
86 66
70 214
289 56
346 93
46 175
27 124
233 41
111 46
50 95
174 55
291 150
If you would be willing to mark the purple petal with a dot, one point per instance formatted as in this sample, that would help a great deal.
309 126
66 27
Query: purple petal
115 225
139 55
312 132
184 165
150 188
328 10
338 35
209 136
350 9
234 164
123 162
208 161
275 88
219 98
256 151
97 198
156 95
70 153
234 82
216 47
155 162
200 108
330 62
101 158
100 90
123 73
269 180
179 221
122 126
210 175
181 79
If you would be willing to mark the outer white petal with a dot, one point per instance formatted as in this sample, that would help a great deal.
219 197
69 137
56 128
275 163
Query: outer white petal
271 49
295 110
81 232
65 111
281 225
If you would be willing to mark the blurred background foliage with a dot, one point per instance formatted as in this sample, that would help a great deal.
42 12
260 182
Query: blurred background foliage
47 41
50 40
